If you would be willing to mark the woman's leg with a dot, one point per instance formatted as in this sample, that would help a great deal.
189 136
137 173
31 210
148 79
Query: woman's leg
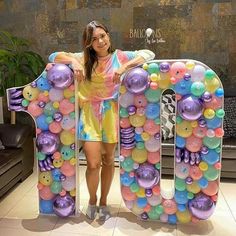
107 171
92 152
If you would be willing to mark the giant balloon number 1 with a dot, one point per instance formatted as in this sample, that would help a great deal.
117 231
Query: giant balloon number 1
51 101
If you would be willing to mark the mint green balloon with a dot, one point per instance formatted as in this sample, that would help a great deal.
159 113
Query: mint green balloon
49 110
153 215
220 113
211 143
40 156
159 209
140 145
197 88
153 68
134 187
209 74
180 184
178 120
190 195
25 103
153 95
56 187
211 173
123 112
67 153
49 119
127 164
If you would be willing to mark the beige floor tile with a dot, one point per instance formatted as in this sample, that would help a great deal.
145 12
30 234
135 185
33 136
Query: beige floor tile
220 223
21 232
229 192
53 233
128 224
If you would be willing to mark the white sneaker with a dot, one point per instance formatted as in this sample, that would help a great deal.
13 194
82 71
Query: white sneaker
91 212
104 213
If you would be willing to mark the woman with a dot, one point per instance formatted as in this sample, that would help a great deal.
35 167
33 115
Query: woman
98 69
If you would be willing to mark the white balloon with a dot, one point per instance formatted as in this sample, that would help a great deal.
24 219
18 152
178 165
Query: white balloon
149 32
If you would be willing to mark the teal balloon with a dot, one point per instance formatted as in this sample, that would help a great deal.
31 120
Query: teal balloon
211 173
153 95
153 68
134 187
127 164
56 187
67 153
211 143
197 88
153 215
180 184
123 112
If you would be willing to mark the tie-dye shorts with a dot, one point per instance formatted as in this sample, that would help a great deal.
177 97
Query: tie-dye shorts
99 121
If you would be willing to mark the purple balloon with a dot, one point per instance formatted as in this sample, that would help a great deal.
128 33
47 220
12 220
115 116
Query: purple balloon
144 216
207 96
60 76
147 175
136 80
148 192
47 142
57 116
202 206
64 206
190 108
131 110
164 67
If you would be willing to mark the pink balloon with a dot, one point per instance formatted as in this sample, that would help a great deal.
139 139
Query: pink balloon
126 99
127 194
66 107
178 70
151 127
34 109
140 101
45 193
214 104
55 127
193 144
125 123
67 169
153 157
56 94
152 145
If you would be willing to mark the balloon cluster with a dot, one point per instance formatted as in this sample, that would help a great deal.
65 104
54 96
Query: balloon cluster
50 100
198 140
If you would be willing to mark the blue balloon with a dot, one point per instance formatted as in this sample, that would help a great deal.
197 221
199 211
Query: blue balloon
180 142
126 180
56 173
152 111
181 197
219 92
181 207
41 122
42 84
211 157
141 202
213 123
203 182
46 206
183 87
138 138
172 219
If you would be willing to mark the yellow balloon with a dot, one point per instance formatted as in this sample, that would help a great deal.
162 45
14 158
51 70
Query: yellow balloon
184 129
145 66
73 161
137 121
183 216
30 93
145 136
56 105
123 89
193 187
209 113
154 77
45 178
139 155
164 81
203 166
68 93
137 210
67 138
212 85
141 192
58 162
73 192
190 65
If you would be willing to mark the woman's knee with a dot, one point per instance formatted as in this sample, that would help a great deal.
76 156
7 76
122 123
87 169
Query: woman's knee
93 166
108 160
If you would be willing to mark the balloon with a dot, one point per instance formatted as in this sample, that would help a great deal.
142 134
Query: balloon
60 76
197 88
213 123
69 183
56 187
67 138
124 123
67 169
45 193
57 116
140 101
45 178
47 142
68 93
153 157
139 155
195 172
184 129
151 127
215 103
131 110
30 93
198 73
182 170
153 68
64 206
202 206
67 122
46 206
67 153
127 194
211 173
183 87
152 145
211 143
169 206
126 179
41 122
147 176
136 80
153 95
164 81
190 108
181 197
55 127
49 110
212 188
66 107
164 67
42 84
34 109
180 142
193 187
127 164
152 110
184 216
199 132
212 85
55 94
126 99
137 121
123 112
178 70
193 144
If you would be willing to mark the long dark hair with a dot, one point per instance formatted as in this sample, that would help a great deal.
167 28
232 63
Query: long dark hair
90 57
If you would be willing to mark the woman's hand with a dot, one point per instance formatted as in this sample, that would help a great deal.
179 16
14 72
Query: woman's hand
78 70
117 74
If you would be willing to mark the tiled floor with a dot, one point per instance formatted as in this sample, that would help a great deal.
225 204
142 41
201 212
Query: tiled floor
19 216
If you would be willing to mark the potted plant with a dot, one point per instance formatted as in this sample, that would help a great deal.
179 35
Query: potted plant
18 64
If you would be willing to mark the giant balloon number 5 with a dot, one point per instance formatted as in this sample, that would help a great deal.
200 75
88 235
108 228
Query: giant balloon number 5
50 100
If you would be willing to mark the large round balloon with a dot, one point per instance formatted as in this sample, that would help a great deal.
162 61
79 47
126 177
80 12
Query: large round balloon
64 205
47 142
60 76
202 206
136 80
190 108
147 176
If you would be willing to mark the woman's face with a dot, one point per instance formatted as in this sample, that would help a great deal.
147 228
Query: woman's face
100 42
